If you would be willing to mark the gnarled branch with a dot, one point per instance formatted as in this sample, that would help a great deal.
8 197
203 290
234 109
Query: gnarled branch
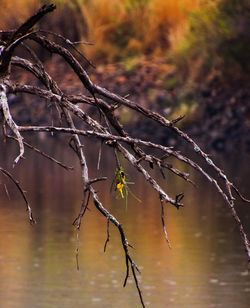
109 130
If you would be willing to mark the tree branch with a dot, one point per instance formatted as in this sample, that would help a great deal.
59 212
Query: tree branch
108 129
10 176
9 120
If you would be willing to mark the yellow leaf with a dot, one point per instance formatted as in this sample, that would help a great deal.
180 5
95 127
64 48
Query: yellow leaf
119 187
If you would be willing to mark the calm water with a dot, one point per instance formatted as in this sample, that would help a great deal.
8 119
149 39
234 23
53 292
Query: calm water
206 267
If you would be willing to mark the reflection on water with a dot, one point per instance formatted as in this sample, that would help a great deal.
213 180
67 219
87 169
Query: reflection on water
206 267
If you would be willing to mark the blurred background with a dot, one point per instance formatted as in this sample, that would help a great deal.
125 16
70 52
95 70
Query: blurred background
177 57
188 57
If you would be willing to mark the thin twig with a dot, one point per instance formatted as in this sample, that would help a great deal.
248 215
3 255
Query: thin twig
108 236
71 44
43 154
10 176
164 225
77 250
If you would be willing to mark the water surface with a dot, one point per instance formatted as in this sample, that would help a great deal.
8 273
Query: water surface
205 268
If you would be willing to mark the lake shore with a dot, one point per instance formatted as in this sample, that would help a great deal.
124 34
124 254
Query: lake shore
217 114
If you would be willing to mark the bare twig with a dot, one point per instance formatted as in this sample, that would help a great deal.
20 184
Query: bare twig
128 260
10 176
108 236
43 154
164 225
71 44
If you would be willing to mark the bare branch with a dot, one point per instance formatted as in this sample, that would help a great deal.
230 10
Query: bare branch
79 123
108 236
164 225
71 44
9 120
43 154
16 37
10 176
129 261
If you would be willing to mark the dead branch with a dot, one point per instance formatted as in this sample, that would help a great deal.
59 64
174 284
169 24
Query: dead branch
9 120
42 153
164 225
29 210
108 130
